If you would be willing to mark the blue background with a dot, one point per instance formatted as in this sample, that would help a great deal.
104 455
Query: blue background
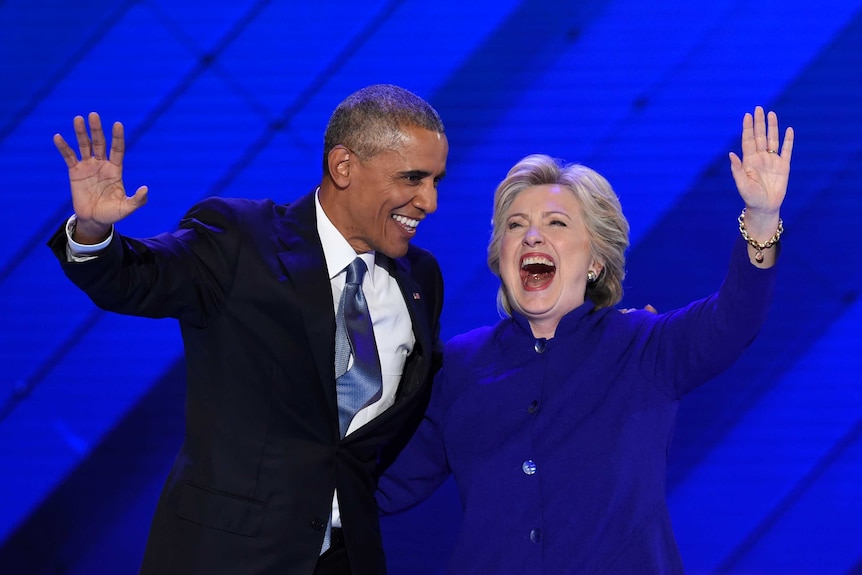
231 98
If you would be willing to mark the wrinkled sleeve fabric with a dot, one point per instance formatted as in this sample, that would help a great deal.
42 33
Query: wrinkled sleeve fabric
186 274
684 348
422 466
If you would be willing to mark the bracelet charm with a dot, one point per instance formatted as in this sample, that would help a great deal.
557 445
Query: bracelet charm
758 256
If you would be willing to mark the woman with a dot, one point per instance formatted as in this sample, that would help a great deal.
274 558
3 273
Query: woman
556 422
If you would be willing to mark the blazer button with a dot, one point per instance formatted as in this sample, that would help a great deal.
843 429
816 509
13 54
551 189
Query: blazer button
529 467
536 535
539 346
318 524
534 407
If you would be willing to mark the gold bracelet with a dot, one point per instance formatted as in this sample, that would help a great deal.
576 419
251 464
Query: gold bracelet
757 245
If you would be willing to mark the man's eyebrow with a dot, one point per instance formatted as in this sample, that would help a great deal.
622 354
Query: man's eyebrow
419 174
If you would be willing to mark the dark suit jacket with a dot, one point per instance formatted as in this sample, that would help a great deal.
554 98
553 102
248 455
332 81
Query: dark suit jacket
251 489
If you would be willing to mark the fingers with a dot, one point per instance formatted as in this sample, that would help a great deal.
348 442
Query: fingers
736 168
760 130
760 134
647 307
772 132
97 135
737 171
787 147
84 146
118 144
748 145
140 197
95 147
66 151
735 161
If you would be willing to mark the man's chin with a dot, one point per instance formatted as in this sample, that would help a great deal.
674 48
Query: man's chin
395 251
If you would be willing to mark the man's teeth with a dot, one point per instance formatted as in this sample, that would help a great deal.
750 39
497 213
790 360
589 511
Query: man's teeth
408 222
537 260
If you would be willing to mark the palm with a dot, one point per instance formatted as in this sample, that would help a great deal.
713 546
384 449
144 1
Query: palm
761 175
98 194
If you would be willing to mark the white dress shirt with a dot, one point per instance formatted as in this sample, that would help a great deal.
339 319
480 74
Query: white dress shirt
393 329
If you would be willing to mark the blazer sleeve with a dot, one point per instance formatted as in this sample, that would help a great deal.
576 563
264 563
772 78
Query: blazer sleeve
422 466
185 274
684 348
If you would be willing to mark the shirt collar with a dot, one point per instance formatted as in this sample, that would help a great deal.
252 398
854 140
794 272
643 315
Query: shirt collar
336 250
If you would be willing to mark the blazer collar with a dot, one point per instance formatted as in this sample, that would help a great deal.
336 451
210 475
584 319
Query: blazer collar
415 299
302 260
304 264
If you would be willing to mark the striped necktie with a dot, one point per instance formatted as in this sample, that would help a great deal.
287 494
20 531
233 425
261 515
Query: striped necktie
360 385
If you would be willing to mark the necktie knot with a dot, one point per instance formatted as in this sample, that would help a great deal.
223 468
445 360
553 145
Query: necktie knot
356 271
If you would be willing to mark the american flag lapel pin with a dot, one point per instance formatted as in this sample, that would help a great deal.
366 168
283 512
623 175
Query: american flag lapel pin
416 296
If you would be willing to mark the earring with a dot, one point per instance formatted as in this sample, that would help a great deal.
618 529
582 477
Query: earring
591 276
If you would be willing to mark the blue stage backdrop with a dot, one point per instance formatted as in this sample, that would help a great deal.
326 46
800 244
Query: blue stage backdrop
231 98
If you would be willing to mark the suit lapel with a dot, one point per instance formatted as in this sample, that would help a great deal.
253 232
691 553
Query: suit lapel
303 262
418 362
413 296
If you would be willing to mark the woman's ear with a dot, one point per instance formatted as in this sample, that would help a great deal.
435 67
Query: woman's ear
339 165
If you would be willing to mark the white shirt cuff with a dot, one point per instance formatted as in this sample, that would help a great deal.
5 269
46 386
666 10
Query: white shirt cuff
76 252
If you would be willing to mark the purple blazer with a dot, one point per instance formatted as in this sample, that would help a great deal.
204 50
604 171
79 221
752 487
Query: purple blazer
559 447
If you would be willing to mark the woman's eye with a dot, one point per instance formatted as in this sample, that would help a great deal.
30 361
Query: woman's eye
513 225
558 223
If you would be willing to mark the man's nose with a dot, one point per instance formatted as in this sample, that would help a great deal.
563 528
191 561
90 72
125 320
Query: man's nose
426 199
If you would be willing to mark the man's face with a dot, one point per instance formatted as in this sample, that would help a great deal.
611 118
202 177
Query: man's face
391 192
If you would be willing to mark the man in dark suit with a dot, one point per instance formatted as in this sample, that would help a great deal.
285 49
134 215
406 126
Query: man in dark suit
265 483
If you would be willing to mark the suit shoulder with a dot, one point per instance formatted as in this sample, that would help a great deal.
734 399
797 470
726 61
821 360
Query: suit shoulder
421 264
228 213
420 256
236 207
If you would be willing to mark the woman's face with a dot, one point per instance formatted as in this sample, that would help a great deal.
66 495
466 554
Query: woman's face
545 256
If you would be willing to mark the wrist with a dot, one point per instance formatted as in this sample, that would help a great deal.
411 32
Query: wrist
755 236
88 232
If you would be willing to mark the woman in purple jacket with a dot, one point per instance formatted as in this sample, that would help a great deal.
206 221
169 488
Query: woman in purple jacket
556 422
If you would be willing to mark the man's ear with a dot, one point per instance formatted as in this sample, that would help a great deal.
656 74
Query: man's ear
339 165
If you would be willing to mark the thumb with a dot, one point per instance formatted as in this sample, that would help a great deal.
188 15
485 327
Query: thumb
735 163
140 197
736 169
136 201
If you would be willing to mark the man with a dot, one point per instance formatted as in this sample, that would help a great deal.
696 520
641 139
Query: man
266 482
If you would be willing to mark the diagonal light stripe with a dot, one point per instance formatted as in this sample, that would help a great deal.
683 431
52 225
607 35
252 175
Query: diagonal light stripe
748 477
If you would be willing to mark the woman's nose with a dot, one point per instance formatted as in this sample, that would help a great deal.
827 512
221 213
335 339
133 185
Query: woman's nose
533 236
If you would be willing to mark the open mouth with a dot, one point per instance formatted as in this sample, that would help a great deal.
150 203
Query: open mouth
407 224
537 272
